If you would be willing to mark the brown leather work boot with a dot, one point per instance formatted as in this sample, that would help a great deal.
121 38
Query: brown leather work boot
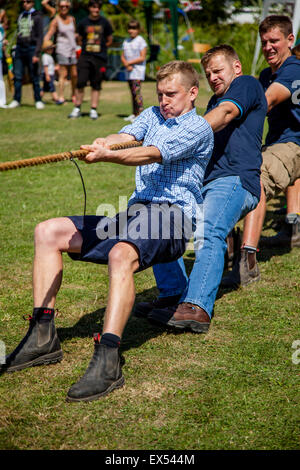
184 316
142 309
289 236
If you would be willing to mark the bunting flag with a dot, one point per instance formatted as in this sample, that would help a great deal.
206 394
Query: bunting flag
190 5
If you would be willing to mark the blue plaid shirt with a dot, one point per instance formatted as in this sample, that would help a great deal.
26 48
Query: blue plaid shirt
186 144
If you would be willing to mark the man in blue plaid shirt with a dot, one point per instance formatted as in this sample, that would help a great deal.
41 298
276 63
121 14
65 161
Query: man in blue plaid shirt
161 214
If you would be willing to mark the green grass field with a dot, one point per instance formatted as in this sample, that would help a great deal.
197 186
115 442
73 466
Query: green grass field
234 388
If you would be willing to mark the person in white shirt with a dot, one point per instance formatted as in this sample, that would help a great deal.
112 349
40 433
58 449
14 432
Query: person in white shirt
134 59
49 71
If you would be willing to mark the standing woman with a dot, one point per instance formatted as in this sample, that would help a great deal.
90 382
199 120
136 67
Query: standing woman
64 27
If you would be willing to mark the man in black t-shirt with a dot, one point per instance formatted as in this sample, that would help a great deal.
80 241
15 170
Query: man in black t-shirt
95 36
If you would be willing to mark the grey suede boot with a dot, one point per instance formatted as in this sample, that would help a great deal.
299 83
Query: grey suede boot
103 375
241 274
39 346
289 236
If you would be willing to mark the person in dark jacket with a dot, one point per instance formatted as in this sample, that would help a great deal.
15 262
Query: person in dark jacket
29 44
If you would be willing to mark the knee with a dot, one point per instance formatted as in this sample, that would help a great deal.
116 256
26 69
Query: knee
123 257
46 233
117 257
63 73
74 73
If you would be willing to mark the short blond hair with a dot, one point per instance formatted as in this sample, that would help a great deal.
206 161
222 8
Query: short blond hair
223 49
188 74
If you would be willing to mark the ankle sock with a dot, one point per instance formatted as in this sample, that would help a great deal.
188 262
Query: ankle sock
43 313
292 218
249 248
111 340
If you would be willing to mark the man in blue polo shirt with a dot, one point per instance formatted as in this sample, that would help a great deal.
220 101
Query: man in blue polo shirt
281 154
231 189
177 145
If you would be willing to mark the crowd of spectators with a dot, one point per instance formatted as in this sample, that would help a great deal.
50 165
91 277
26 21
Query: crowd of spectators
59 42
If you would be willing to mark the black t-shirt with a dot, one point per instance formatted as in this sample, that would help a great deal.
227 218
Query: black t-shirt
94 35
237 147
30 30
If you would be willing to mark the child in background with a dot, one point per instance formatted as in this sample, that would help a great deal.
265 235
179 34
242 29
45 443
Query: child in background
49 71
134 59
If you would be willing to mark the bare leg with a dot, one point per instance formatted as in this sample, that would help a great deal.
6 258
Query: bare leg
62 75
293 198
123 262
254 221
104 372
55 96
95 94
52 237
79 93
73 72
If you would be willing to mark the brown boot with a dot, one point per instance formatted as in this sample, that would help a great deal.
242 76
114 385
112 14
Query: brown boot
183 316
142 309
243 272
289 236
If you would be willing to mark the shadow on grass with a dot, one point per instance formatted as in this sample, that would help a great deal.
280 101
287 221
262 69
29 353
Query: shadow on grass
137 331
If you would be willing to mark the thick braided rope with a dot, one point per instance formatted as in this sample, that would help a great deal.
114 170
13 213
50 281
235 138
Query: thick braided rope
60 156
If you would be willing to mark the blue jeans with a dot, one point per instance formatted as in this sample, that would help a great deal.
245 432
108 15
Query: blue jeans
23 59
225 202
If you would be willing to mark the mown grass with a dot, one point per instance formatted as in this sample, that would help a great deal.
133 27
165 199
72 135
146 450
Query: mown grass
233 388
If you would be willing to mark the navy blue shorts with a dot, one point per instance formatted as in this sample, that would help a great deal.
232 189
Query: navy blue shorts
48 86
158 231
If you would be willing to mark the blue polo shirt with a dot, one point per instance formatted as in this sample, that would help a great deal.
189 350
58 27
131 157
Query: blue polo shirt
284 118
237 148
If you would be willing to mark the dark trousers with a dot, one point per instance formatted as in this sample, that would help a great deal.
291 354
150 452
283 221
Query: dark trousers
23 59
136 96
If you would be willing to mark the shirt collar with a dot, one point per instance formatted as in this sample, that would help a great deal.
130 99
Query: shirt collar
25 13
182 117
